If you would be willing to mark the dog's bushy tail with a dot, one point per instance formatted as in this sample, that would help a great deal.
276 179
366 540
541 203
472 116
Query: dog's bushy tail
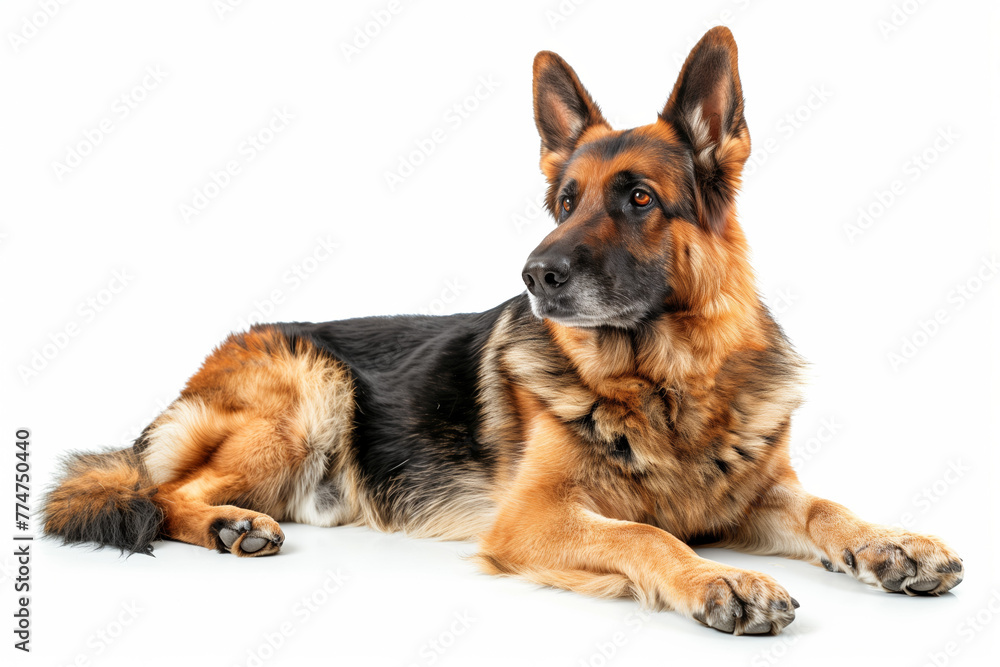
106 499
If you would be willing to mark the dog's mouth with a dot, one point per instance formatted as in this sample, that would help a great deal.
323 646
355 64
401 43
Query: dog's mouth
566 312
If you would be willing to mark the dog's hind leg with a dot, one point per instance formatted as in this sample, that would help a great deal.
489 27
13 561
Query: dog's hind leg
191 517
259 434
238 475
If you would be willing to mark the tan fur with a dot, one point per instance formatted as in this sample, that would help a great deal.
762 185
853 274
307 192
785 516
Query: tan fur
597 456
256 424
93 483
705 404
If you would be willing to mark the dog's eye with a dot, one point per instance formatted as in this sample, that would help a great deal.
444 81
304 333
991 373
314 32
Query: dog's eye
567 204
641 198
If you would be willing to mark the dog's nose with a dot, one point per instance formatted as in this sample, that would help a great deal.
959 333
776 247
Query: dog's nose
546 274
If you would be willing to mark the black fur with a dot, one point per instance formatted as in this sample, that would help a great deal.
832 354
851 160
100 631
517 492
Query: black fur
709 82
214 529
620 449
721 465
416 402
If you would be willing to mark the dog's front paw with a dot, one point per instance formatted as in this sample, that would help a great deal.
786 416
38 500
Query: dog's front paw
901 561
742 602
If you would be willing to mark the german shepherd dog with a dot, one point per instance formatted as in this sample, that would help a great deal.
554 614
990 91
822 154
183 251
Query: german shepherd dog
636 400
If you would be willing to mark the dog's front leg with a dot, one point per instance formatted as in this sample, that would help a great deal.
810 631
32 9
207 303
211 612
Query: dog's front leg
788 521
547 531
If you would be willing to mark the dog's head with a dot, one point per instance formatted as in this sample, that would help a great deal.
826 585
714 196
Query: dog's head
645 217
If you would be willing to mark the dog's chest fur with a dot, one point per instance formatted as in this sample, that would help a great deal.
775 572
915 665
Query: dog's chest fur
674 444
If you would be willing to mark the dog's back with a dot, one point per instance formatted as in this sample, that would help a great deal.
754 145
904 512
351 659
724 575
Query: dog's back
636 399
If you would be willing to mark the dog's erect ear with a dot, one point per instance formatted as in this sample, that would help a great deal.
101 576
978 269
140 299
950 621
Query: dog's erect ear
563 110
706 107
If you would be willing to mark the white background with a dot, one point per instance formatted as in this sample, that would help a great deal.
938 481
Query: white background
874 434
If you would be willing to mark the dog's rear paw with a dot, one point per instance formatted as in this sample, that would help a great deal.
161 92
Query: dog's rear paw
900 561
744 603
257 536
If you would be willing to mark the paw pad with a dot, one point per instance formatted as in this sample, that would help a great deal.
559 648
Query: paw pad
260 536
